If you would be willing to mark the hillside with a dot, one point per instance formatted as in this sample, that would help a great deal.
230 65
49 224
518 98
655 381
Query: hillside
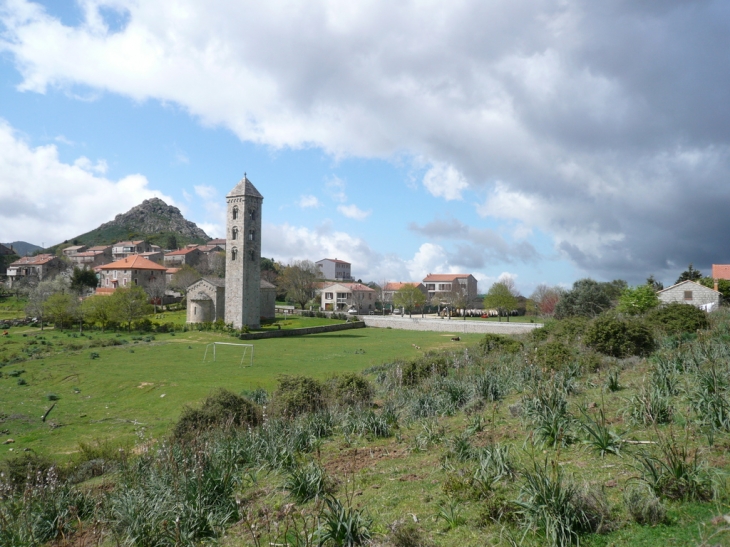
23 248
153 220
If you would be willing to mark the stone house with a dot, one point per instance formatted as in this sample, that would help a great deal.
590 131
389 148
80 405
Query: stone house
346 296
74 249
42 266
206 300
124 249
334 269
689 292
219 242
438 286
92 257
389 289
133 270
189 255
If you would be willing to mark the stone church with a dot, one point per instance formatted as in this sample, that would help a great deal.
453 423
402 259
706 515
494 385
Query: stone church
242 298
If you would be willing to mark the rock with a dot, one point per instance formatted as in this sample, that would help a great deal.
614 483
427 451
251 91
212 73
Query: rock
611 484
592 405
153 216
9 441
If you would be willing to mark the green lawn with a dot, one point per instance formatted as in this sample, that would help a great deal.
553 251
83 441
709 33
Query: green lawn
12 308
140 388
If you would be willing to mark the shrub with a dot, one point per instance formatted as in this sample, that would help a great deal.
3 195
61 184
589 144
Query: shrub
650 406
307 482
353 389
299 394
222 408
17 471
676 318
499 343
644 507
618 338
407 534
343 525
553 355
419 369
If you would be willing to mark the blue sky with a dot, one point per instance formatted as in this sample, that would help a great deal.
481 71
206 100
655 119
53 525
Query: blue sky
546 141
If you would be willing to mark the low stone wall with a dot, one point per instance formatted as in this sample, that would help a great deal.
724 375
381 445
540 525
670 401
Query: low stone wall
457 326
299 332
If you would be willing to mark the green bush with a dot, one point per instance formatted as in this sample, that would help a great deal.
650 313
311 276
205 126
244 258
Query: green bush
499 343
419 369
619 338
676 318
553 355
352 389
298 395
222 408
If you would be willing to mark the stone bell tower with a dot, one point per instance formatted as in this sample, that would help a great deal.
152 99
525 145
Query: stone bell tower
243 252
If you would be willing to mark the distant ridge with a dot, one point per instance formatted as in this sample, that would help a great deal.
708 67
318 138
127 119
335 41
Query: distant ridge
23 248
153 220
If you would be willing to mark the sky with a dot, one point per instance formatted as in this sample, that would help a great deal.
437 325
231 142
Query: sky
542 140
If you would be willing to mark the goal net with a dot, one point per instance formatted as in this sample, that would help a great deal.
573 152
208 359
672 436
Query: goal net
245 350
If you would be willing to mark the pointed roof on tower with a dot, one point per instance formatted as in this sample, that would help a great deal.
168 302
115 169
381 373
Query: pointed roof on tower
244 188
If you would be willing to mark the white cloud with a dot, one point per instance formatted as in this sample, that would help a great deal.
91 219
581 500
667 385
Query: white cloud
445 181
336 188
205 192
43 200
309 202
353 212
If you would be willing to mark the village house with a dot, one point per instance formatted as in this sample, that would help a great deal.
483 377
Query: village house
92 257
42 266
154 256
219 242
347 296
74 249
190 256
130 271
334 269
124 249
689 292
439 286
389 289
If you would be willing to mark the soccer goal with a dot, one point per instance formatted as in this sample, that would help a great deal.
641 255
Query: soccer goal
244 351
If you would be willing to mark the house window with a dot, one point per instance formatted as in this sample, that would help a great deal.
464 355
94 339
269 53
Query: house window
135 281
235 212
688 295
328 296
234 254
234 233
107 281
114 274
124 282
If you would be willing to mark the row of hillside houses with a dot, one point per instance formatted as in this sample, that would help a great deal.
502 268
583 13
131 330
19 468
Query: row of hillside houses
359 298
111 258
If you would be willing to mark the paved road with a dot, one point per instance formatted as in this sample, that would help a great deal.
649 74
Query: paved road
447 325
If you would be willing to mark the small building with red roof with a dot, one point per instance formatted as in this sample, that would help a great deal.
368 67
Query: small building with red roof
42 266
189 255
440 285
392 287
334 269
347 296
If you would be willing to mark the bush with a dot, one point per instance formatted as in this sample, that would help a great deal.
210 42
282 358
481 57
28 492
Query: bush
553 355
222 408
644 507
407 534
353 389
619 338
676 318
298 395
499 343
419 369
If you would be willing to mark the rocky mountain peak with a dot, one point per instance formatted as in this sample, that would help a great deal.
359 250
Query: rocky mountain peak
155 216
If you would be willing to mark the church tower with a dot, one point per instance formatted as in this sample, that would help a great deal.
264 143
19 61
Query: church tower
243 253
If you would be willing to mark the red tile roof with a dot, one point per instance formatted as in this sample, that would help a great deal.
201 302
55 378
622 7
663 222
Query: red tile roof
38 259
444 277
133 262
397 286
334 260
181 252
721 271
356 287
104 291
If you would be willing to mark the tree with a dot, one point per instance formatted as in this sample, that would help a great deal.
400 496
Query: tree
546 298
637 300
723 285
40 293
184 278
654 283
99 309
130 304
82 279
690 274
501 298
155 289
299 280
587 298
60 308
458 298
409 298
171 242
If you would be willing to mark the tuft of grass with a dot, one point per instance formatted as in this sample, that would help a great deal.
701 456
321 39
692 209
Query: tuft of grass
598 435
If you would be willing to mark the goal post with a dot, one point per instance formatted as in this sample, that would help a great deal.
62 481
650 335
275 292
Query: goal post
244 347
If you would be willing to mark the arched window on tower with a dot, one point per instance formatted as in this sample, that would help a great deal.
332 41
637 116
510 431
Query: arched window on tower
251 235
252 254
234 233
235 212
252 214
234 254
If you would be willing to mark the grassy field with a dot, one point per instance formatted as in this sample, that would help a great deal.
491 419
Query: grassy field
140 387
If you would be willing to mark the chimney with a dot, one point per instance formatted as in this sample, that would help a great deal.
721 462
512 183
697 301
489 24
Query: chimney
716 285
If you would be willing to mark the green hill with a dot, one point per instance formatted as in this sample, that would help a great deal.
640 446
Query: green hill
153 220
